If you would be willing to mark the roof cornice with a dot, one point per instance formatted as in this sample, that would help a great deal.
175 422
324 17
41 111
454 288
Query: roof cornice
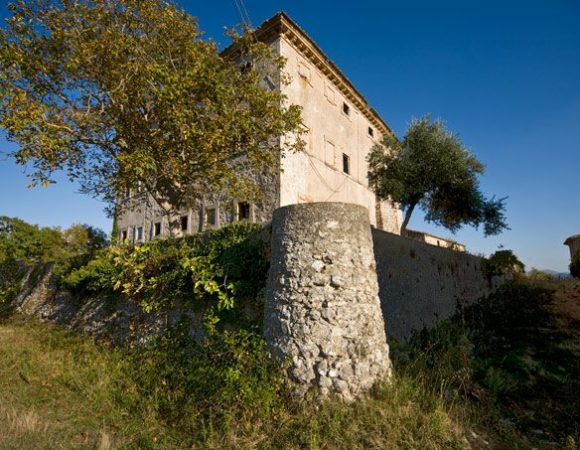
282 25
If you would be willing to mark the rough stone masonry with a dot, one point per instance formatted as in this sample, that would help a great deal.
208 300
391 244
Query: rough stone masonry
322 313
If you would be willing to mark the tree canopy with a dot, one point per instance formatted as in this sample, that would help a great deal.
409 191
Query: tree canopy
431 168
31 244
127 93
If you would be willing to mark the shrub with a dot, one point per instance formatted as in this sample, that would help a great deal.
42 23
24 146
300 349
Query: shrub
221 272
96 276
502 262
11 274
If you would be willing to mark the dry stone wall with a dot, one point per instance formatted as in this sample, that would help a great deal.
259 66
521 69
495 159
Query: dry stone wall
322 311
121 322
421 285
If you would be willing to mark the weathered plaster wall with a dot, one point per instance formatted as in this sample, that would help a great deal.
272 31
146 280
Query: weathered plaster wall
316 175
421 285
322 313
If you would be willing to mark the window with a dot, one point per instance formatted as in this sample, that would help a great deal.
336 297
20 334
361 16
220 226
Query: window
345 163
243 211
246 66
329 154
304 71
371 132
346 109
210 216
184 223
330 93
124 235
139 234
156 228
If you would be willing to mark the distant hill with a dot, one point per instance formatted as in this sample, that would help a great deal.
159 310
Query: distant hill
554 273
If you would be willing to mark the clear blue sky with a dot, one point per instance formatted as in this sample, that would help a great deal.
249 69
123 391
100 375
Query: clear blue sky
505 75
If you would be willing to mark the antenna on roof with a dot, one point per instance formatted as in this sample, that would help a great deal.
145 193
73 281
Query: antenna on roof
243 13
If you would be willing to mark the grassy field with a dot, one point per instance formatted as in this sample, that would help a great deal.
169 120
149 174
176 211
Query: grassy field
503 375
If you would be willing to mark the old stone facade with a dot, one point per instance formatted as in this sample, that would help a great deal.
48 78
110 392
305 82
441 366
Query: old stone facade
342 128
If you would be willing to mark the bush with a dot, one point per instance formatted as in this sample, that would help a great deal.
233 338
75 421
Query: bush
11 274
502 262
96 276
221 272
575 265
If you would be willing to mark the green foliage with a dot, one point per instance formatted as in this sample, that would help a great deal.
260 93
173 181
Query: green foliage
31 244
432 169
502 262
97 276
11 274
575 265
127 93
229 377
221 272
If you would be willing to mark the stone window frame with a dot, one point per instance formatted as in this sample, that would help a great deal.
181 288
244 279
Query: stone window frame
332 164
210 212
346 110
184 219
251 211
330 93
157 228
305 71
346 164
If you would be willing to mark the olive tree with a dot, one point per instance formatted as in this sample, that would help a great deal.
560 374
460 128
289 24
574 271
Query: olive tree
430 168
126 93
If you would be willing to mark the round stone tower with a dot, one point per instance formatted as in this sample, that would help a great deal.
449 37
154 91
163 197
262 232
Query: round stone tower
322 312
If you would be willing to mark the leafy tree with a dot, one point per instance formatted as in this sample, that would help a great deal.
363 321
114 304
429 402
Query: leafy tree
31 244
432 169
503 262
83 238
126 93
575 265
28 243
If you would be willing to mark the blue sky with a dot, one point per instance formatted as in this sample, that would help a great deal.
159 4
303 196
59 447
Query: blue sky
504 75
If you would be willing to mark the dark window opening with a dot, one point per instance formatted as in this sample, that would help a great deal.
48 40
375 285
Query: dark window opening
140 234
246 67
184 223
243 211
157 229
124 235
371 132
345 163
345 109
210 216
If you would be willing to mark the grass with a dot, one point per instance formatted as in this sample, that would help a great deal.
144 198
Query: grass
473 382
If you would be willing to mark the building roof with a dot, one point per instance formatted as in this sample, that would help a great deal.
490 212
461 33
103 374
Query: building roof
571 239
282 25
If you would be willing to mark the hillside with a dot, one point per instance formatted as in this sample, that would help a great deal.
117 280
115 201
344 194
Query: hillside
505 374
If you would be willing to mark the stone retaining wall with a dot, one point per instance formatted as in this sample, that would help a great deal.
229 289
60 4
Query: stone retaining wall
421 285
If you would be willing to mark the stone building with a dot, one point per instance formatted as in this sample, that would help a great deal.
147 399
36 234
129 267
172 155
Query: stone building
437 241
342 128
573 242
